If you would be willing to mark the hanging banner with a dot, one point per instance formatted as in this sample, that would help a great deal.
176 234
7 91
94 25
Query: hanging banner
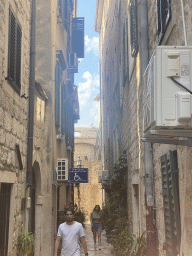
78 175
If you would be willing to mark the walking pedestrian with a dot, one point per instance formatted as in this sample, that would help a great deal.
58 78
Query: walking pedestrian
96 226
70 232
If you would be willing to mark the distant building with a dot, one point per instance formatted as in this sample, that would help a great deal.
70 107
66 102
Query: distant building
159 169
87 195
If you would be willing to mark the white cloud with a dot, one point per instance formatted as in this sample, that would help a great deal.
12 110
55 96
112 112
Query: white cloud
80 60
85 89
94 109
92 44
96 80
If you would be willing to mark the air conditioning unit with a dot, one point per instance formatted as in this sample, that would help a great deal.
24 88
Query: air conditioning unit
167 106
73 62
105 175
62 169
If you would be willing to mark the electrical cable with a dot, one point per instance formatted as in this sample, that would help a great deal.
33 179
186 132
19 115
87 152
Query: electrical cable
174 80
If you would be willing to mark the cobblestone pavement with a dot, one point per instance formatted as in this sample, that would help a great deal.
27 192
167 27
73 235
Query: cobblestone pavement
105 247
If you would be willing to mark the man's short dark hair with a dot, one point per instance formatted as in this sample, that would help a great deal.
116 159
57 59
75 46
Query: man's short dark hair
69 209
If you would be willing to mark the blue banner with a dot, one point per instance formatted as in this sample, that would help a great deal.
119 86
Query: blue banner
78 175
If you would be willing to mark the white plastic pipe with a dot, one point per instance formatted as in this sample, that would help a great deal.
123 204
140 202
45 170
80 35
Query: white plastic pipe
183 17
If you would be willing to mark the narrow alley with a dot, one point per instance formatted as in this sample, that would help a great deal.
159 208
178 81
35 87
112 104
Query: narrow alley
96 121
105 246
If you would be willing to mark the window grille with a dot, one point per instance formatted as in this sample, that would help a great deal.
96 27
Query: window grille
170 187
164 17
133 28
14 52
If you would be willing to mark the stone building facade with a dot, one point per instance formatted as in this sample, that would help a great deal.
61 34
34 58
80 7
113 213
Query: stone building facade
129 33
87 195
14 82
55 112
55 99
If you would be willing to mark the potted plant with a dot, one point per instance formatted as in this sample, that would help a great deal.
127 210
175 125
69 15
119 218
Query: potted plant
139 244
25 243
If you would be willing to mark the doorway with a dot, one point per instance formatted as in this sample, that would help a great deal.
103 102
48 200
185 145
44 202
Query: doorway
5 194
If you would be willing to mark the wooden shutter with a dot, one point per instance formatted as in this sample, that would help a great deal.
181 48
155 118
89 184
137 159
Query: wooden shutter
66 15
169 171
78 36
59 4
63 109
12 45
18 57
14 52
71 124
57 94
133 27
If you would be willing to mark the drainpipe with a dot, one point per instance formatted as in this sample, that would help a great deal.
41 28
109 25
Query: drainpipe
148 153
102 129
31 97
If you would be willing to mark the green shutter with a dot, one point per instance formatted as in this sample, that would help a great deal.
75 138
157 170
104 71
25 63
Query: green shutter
12 44
133 28
169 172
57 94
18 57
14 52
63 109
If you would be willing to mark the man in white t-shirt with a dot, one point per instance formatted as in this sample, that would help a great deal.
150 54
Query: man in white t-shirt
70 232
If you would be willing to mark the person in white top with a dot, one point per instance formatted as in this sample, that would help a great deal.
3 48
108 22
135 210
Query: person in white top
70 232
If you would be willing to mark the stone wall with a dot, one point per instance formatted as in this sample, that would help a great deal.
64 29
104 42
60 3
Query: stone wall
126 82
14 116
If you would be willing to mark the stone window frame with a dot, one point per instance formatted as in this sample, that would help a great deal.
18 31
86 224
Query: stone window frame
14 52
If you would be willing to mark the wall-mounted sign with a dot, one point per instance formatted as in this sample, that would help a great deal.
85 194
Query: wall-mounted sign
78 175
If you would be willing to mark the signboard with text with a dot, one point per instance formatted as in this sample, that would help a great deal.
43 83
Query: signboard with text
78 175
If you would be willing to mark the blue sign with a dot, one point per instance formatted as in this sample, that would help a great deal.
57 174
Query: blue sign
78 175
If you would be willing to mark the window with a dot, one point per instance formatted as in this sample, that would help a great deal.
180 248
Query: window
164 16
125 53
78 36
14 52
40 109
5 194
133 28
60 8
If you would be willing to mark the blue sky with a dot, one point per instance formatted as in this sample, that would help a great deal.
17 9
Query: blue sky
87 79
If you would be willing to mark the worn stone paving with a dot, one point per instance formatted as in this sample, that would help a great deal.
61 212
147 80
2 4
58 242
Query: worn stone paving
105 247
